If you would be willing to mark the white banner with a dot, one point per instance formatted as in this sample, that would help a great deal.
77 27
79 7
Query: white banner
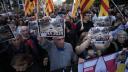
107 63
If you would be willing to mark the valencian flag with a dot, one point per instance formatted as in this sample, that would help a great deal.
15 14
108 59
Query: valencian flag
49 7
29 6
75 7
85 5
104 6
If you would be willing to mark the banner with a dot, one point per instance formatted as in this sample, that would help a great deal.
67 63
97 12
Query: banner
106 63
5 33
51 28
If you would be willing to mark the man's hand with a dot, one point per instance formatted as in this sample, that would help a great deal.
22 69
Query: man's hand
45 61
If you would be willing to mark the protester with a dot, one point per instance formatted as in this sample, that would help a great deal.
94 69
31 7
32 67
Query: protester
60 53
17 45
38 54
121 40
28 52
71 32
87 24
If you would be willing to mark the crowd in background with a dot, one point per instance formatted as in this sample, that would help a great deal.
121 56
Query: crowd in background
31 53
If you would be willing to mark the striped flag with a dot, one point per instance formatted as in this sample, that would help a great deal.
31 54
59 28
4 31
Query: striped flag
29 6
75 7
85 5
49 7
104 8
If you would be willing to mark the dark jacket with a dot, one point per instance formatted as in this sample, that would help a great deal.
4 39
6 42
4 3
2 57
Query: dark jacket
38 55
6 57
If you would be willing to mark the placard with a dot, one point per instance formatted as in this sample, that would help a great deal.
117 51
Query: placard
53 27
5 33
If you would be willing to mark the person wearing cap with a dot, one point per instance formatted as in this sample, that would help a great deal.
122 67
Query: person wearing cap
60 53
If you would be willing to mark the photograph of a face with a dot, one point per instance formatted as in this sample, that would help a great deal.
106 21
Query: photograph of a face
5 33
51 28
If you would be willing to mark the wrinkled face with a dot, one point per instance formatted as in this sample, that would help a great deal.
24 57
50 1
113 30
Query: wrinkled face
59 42
121 38
25 31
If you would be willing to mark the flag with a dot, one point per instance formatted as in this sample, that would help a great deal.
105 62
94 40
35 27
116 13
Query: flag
75 7
121 68
85 5
101 64
49 7
104 6
29 6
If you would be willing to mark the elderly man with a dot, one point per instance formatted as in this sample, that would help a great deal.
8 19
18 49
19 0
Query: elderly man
39 55
60 53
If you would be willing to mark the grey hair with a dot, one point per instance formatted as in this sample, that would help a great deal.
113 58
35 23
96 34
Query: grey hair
122 32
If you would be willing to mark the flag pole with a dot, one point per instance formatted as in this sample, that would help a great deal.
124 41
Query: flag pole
2 6
117 8
37 5
37 15
81 18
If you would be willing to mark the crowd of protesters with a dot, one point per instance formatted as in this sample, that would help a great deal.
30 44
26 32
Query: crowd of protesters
31 53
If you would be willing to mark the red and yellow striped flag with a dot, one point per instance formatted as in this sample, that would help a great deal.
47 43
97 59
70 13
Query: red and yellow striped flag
29 6
49 8
85 5
75 7
104 8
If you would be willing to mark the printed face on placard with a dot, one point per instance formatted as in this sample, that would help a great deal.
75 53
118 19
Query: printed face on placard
54 27
102 22
5 33
100 37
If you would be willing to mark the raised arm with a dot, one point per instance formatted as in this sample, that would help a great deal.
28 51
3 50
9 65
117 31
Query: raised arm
80 48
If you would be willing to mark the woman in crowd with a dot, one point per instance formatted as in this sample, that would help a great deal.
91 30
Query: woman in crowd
100 48
121 40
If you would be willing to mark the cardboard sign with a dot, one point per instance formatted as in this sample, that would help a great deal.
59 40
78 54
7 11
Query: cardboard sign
5 33
106 63
52 28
